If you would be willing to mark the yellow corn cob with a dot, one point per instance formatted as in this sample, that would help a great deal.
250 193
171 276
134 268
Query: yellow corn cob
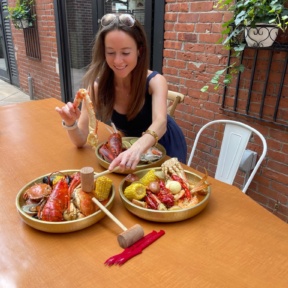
57 179
136 190
102 189
149 177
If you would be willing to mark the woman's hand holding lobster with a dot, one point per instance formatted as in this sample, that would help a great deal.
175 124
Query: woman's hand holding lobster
69 113
128 159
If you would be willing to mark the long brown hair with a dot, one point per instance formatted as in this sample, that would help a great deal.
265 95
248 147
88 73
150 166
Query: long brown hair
99 71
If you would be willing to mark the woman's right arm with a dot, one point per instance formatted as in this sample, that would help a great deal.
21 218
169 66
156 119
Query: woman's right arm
76 122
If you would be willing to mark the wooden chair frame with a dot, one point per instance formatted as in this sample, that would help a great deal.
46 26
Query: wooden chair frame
174 98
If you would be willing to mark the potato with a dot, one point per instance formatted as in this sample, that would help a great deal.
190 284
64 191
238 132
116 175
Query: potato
154 186
173 186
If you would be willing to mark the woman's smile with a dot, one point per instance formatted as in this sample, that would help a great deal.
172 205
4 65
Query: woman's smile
120 68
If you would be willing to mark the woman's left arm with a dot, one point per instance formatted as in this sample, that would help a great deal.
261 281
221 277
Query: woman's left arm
158 89
130 158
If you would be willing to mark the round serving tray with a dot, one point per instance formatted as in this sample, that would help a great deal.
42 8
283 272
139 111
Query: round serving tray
140 166
164 216
64 226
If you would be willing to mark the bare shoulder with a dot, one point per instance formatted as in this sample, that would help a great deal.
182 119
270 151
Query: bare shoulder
157 83
157 76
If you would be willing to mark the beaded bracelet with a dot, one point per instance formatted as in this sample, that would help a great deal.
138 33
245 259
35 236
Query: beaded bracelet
71 127
152 133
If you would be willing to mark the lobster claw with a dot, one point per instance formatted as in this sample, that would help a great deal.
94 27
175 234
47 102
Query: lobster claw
106 153
115 143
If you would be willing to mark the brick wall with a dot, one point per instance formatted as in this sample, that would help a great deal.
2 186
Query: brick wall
191 56
45 73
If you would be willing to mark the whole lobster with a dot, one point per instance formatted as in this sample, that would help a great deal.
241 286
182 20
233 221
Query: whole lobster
56 204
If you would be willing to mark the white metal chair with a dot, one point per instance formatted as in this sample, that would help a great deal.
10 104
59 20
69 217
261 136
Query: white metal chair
234 142
173 99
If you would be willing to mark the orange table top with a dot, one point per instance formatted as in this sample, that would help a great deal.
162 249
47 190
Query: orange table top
233 242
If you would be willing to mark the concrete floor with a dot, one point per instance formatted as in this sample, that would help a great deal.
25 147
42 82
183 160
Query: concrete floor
10 94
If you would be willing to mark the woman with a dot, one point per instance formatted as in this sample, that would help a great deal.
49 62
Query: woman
126 93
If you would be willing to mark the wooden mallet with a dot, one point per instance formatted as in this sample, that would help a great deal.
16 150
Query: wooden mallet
129 236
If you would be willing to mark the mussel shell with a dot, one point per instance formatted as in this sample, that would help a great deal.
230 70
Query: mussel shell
30 209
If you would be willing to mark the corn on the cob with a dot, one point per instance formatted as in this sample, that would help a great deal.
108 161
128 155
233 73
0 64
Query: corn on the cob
102 189
149 177
136 190
57 179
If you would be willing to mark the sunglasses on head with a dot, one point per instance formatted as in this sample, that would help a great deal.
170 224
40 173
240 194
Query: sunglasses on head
125 19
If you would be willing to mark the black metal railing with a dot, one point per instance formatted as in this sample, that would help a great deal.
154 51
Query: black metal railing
261 90
31 39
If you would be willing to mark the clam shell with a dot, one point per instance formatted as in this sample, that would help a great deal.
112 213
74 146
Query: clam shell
30 209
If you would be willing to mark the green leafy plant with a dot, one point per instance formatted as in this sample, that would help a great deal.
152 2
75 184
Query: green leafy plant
245 13
22 11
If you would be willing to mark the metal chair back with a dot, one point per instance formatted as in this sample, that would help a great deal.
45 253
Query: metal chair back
235 139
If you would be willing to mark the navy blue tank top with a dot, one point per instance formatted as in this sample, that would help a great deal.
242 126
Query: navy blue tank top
141 122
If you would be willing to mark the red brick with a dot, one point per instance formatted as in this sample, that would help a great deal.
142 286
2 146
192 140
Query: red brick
201 6
172 45
187 37
181 27
210 17
209 38
188 18
275 175
170 36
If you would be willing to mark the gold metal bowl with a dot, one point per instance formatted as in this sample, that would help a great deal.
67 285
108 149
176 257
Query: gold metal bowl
164 216
140 166
64 226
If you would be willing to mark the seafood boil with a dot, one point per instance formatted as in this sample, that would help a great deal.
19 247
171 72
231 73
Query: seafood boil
166 189
59 197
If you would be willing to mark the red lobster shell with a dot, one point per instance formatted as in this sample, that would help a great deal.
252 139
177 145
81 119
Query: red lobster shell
115 143
112 148
56 204
84 202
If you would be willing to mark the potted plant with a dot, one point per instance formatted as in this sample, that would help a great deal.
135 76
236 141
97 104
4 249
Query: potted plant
266 17
22 15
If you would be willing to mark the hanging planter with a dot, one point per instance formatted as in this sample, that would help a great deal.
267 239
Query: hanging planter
22 24
244 18
263 35
21 15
